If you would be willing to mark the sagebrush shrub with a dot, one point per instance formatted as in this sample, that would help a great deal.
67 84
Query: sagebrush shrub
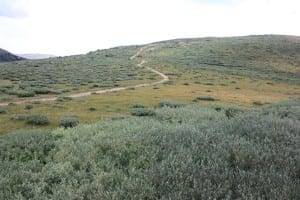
92 108
142 112
170 104
138 105
37 120
18 117
2 110
204 98
28 106
68 121
25 93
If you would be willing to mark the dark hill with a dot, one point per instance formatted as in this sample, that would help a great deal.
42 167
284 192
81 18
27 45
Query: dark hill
6 56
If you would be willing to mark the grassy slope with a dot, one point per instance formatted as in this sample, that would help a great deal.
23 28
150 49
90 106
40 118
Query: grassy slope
248 71
194 152
54 76
270 57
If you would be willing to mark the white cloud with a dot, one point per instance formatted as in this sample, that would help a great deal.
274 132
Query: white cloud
65 27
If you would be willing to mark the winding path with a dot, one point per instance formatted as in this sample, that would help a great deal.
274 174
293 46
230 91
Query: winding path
84 94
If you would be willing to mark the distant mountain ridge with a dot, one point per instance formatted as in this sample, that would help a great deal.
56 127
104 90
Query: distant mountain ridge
35 56
6 56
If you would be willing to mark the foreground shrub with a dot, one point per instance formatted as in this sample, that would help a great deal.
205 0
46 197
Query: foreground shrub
24 146
37 120
252 156
68 121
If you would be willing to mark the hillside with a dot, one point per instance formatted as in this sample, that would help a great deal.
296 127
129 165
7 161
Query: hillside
248 71
6 56
269 57
202 118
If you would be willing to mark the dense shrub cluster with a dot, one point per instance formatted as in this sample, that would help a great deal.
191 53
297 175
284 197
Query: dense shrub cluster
253 155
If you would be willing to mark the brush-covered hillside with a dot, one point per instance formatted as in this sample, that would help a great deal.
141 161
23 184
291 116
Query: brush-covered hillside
206 118
270 57
248 71
6 56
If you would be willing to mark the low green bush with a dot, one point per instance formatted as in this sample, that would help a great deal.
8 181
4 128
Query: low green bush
25 93
142 112
92 108
138 105
18 117
42 90
63 98
204 98
28 106
68 121
26 146
37 120
2 110
257 103
170 104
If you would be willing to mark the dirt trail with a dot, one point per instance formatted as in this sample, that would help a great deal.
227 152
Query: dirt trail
84 94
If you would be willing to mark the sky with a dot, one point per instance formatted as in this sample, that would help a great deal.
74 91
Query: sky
67 27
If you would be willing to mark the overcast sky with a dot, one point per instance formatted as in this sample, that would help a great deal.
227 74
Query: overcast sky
65 27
